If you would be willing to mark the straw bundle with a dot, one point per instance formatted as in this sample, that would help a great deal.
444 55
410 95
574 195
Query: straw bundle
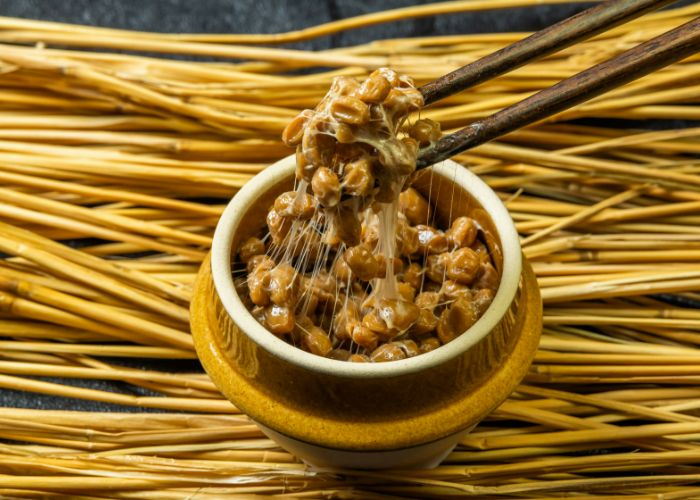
116 151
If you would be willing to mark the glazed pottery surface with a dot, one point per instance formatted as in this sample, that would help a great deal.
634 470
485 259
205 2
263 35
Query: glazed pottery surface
397 414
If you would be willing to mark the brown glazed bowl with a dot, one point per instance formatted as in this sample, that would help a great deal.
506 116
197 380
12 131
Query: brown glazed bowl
399 414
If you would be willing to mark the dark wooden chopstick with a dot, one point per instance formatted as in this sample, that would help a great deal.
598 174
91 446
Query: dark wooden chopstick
576 28
639 61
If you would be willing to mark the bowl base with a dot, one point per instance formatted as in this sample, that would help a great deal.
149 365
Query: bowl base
425 456
389 448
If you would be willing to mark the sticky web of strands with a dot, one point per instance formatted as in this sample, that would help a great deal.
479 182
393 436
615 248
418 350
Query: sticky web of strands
93 147
351 142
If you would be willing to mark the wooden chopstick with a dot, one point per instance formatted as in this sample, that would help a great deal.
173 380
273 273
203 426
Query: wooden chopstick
552 39
639 61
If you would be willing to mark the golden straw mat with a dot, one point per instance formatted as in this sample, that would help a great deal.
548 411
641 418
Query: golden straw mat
120 148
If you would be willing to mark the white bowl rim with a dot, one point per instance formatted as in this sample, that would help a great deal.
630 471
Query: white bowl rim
223 279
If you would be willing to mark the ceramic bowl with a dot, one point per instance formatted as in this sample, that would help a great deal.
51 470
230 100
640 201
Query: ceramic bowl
400 414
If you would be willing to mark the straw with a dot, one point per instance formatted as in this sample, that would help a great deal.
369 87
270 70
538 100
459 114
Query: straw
134 157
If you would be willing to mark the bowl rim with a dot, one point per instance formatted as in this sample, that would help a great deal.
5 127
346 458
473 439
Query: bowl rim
222 275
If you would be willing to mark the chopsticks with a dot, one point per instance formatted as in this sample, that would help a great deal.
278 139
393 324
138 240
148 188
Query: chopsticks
574 29
639 61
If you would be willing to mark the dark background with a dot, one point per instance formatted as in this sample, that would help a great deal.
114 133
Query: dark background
254 16
272 16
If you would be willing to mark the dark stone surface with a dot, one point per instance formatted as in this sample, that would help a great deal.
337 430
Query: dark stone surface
254 16
272 16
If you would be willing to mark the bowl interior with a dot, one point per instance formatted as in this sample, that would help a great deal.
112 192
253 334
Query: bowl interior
452 190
